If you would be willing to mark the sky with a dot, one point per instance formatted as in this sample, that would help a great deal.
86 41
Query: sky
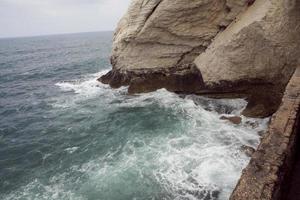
46 17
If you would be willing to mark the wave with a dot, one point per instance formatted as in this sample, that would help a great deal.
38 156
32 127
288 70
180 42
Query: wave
205 157
173 147
85 89
89 85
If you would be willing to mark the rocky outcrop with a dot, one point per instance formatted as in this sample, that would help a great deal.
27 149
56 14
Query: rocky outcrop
224 48
185 78
268 174
157 41
255 54
262 45
167 33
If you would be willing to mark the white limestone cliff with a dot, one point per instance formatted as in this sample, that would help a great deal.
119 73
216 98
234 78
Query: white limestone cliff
164 33
244 48
262 44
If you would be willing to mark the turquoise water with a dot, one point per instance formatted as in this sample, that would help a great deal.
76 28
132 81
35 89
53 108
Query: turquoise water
65 136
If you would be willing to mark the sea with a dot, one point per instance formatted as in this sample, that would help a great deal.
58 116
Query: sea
66 136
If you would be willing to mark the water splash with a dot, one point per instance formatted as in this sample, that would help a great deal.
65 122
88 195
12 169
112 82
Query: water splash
156 146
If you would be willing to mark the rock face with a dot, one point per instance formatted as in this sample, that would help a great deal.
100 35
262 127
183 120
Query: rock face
261 46
185 78
166 33
267 177
162 37
228 48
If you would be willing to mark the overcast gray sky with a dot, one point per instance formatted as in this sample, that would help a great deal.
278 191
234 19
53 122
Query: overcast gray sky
40 17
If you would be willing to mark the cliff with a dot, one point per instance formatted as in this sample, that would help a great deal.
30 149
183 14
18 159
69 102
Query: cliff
272 167
228 48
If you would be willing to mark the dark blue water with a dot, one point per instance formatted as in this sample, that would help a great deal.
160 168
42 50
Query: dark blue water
65 136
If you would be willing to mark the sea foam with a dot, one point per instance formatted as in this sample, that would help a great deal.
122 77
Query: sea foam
173 147
202 160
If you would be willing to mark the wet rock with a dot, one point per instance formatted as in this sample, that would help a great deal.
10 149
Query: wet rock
261 133
185 78
252 124
201 193
235 119
160 34
249 151
221 106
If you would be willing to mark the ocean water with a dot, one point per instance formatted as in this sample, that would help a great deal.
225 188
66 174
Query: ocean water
65 136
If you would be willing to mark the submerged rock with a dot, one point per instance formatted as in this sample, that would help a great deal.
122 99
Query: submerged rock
235 119
249 151
252 124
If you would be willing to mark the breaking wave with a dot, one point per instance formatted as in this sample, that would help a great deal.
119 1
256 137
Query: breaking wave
157 145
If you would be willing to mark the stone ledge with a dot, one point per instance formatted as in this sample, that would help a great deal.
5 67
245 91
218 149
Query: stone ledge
271 165
263 97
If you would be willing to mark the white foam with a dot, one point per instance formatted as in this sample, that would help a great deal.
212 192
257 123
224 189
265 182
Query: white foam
203 156
85 89
56 190
71 149
88 86
206 156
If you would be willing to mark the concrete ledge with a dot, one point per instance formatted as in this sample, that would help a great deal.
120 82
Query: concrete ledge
269 171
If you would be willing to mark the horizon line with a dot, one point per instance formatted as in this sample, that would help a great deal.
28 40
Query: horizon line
52 34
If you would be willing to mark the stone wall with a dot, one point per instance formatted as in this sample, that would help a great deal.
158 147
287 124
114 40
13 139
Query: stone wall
268 173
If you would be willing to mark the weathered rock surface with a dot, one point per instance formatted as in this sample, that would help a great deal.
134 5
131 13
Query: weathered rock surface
185 78
257 53
225 48
156 38
249 151
222 48
261 46
167 33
